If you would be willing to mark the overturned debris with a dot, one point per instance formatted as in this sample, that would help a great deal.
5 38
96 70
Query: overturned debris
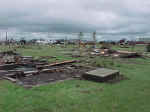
115 53
127 54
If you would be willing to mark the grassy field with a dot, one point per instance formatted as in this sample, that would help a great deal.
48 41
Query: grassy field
132 95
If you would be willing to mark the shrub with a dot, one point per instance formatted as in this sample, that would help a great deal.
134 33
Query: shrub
148 48
105 46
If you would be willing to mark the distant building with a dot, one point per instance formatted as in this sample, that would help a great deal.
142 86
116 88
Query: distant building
144 39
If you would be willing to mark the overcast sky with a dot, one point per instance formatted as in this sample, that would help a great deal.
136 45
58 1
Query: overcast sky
104 16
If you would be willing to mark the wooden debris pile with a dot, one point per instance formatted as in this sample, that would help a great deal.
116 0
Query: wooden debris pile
8 57
26 70
115 53
102 52
127 54
30 66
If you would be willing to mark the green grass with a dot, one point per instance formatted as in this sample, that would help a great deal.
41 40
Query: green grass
137 48
131 95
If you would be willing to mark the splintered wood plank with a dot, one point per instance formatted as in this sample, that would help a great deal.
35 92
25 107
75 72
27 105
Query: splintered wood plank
60 63
126 52
30 72
11 79
26 57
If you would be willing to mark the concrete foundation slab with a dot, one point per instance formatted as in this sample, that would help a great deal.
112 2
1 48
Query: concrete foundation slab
101 74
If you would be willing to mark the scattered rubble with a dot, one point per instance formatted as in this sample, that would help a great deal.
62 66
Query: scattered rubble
8 57
115 53
25 70
127 54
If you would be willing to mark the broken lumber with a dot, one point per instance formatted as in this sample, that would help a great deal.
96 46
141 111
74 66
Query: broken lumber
26 57
7 66
126 52
10 74
11 79
53 70
30 72
59 63
14 71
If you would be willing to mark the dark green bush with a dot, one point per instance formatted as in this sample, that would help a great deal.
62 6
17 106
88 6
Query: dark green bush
148 48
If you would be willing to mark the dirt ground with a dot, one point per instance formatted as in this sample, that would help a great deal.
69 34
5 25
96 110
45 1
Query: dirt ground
68 72
65 72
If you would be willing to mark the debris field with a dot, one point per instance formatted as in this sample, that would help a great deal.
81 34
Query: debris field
26 71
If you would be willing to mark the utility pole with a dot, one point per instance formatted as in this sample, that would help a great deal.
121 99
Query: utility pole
6 42
65 42
94 39
80 38
6 37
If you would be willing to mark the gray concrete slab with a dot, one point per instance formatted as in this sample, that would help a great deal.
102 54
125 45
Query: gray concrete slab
101 75
102 72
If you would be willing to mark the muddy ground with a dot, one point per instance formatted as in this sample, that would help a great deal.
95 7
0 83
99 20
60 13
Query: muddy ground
60 73
65 72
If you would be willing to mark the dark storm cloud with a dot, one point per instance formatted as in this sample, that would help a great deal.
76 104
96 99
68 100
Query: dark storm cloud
104 16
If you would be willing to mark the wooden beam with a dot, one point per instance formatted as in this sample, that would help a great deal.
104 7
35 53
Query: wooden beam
11 79
60 63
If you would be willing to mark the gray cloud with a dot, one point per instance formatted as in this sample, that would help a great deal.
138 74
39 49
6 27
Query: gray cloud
104 16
